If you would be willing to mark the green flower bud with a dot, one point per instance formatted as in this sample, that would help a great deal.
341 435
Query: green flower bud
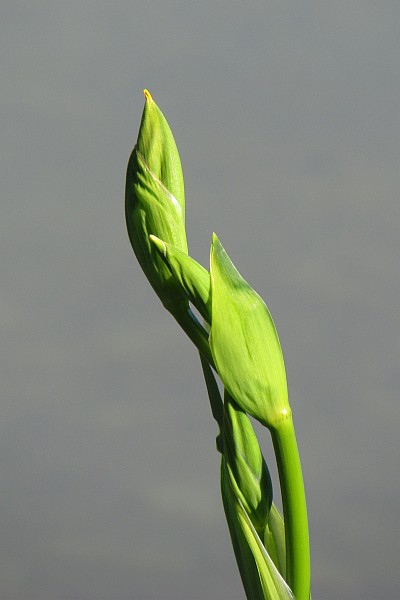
245 345
155 202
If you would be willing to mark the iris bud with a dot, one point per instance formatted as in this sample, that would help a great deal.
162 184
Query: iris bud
155 202
244 343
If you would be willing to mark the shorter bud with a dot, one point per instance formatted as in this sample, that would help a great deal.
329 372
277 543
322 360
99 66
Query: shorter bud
245 345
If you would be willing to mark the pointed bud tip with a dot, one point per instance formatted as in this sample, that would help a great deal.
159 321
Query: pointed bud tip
147 95
216 246
159 244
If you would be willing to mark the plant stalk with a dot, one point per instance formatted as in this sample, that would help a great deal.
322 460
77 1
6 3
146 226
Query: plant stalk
294 508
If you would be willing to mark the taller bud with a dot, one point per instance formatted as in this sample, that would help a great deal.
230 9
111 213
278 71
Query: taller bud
155 202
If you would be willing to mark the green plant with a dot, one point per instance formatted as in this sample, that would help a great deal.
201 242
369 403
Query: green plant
239 344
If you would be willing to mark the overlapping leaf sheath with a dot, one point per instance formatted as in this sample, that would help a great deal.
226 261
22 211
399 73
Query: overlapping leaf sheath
246 468
246 490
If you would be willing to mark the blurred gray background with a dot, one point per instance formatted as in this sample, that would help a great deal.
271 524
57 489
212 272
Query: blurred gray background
286 115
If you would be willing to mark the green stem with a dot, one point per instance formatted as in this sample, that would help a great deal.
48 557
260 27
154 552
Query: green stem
294 509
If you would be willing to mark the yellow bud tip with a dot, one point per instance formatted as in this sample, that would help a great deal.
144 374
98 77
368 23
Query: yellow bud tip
147 95
159 244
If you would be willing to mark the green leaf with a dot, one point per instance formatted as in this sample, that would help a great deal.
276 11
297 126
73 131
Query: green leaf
245 465
244 343
244 479
247 470
244 557
273 585
274 539
154 202
192 277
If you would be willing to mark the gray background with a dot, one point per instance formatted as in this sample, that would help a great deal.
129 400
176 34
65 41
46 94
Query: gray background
286 115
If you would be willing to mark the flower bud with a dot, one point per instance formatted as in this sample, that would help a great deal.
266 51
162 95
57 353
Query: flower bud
245 345
155 202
